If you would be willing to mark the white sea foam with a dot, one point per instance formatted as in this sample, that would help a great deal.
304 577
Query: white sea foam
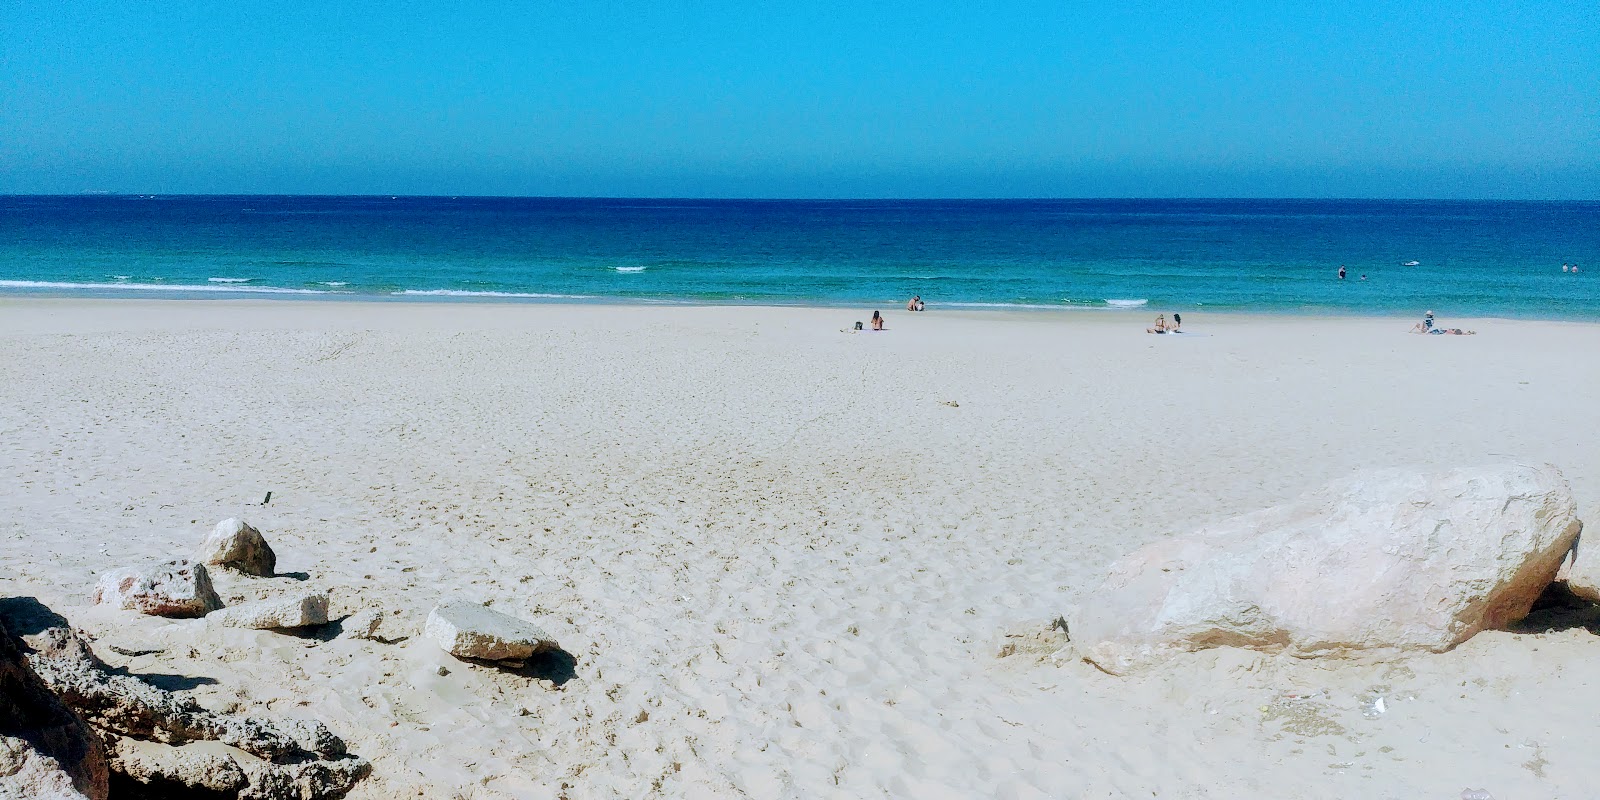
228 280
465 293
630 269
1126 303
121 277
335 283
157 287
1005 305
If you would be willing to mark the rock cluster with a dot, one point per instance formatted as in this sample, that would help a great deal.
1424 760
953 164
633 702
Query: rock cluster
141 729
1388 561
469 630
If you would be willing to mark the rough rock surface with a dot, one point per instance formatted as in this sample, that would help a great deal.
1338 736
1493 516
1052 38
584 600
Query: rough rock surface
1582 570
364 624
171 589
293 759
468 630
236 545
45 750
1388 561
294 611
147 762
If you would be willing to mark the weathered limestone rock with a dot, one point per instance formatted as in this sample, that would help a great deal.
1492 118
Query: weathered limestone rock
295 759
364 624
148 762
294 611
236 545
468 630
1387 561
1581 571
46 752
171 589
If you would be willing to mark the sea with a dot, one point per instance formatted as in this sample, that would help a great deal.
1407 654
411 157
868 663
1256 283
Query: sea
1457 258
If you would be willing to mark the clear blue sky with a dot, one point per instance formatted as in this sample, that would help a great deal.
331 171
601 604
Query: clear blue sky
752 99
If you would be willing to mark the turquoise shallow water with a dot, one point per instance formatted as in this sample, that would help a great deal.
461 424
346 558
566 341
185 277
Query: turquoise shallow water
1267 256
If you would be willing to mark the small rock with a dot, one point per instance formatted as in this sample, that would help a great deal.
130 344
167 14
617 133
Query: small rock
135 652
236 545
171 589
1581 570
363 624
294 611
443 670
468 630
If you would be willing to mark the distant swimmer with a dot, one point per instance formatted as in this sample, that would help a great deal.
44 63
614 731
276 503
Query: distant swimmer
1341 272
1565 268
1363 277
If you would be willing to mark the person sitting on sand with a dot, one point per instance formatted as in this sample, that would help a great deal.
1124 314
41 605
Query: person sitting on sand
1177 322
914 304
877 321
1161 325
1425 326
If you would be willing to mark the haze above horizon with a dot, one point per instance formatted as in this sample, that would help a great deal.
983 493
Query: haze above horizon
1361 99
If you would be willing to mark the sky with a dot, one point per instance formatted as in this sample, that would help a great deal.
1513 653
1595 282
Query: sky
753 99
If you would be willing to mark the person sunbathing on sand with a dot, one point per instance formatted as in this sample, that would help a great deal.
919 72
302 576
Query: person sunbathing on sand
877 321
1161 325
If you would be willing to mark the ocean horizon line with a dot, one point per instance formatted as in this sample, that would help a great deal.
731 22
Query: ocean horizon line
816 199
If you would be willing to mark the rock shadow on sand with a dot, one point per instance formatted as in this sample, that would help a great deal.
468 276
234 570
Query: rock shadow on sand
1558 609
556 665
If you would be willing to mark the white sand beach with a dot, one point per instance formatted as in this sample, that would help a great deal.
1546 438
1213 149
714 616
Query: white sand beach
781 555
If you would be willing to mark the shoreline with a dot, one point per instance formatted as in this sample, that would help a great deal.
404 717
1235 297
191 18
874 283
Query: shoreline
998 311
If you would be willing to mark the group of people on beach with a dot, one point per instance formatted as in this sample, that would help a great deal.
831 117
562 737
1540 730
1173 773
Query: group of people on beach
915 304
1162 326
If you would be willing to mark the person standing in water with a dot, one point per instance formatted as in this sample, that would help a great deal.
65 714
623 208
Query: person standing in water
1341 272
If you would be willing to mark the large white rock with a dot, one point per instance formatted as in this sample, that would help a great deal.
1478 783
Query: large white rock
1387 561
294 611
236 545
468 630
170 589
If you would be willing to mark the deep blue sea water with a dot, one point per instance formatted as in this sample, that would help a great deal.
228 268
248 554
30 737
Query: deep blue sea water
1269 256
